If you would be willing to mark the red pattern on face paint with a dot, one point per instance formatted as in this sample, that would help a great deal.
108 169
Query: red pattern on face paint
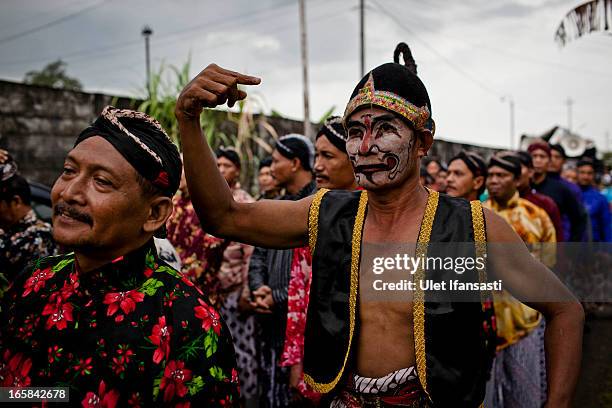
364 147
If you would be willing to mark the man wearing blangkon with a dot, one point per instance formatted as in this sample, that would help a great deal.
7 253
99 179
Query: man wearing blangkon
436 356
111 320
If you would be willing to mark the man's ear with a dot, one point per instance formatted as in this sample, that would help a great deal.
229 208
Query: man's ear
295 164
159 211
478 182
424 142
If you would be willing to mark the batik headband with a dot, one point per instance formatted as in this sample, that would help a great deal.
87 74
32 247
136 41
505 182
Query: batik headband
142 141
420 117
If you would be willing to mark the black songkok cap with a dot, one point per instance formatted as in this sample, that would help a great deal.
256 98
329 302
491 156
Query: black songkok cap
142 141
525 158
230 154
334 131
586 161
508 161
396 88
265 162
558 148
473 161
294 145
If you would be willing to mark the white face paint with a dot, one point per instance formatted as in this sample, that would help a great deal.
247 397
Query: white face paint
380 146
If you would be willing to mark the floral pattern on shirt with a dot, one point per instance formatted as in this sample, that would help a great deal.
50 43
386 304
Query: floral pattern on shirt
134 332
297 305
29 239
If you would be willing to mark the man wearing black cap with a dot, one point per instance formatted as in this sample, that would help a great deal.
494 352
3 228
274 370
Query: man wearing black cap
558 159
270 269
527 192
467 173
573 215
595 202
333 170
332 167
267 186
111 321
23 235
417 351
519 372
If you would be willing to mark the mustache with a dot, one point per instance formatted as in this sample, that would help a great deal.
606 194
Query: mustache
65 209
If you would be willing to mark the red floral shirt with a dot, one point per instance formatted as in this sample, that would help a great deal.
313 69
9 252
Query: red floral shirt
132 333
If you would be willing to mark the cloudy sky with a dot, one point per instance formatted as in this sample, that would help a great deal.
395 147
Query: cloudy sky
470 54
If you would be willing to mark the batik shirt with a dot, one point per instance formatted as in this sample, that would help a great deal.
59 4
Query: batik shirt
29 239
532 224
134 332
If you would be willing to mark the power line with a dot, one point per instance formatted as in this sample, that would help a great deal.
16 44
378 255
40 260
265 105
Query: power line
164 37
319 18
514 55
41 16
456 68
51 23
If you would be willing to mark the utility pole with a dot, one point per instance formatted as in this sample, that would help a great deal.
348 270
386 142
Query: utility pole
304 67
569 102
362 34
146 33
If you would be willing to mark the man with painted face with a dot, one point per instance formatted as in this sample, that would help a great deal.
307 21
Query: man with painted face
333 168
110 320
417 352
467 173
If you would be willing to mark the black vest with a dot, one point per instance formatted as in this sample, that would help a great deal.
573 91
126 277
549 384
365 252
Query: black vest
454 342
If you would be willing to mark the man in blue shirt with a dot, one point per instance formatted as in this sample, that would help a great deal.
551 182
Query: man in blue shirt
595 202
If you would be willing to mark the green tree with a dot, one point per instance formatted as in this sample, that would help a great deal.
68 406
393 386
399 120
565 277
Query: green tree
53 75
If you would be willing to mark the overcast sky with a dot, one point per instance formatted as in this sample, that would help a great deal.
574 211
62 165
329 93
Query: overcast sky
470 54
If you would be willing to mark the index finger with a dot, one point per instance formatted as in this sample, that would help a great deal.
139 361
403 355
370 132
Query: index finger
243 79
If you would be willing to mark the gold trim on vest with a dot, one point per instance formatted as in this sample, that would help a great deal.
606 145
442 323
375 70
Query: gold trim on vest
480 242
355 256
313 218
418 308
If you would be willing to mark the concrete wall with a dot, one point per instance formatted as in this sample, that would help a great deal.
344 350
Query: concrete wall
38 125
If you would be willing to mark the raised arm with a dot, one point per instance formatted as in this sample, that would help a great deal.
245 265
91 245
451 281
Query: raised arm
534 284
266 223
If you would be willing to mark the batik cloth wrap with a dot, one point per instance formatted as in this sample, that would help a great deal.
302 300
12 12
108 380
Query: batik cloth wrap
400 388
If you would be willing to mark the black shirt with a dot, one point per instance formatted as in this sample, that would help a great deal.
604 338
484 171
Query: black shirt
568 205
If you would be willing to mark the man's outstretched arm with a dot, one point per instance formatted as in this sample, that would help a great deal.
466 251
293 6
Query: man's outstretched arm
266 223
538 287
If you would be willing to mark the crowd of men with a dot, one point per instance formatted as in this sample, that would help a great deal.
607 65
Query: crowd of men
164 282
579 207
